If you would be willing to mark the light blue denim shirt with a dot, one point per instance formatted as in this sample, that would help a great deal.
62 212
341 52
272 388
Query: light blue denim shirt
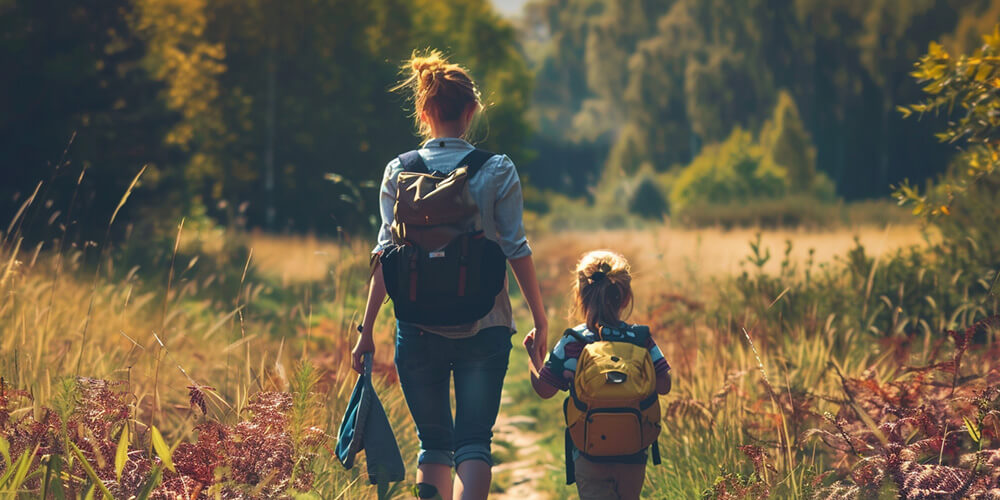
496 189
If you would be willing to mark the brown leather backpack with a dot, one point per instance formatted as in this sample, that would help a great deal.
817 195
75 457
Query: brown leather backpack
440 269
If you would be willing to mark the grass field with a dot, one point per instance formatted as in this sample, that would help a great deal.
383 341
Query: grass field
778 350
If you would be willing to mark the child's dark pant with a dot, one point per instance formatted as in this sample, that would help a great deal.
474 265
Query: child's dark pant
608 481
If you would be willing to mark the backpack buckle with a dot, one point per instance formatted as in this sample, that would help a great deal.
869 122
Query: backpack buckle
616 377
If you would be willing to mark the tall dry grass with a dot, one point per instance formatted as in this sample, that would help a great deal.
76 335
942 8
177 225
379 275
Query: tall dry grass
239 313
160 327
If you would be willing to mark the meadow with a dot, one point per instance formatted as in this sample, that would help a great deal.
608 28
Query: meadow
215 364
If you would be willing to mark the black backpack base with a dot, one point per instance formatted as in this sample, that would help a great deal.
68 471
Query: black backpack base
455 285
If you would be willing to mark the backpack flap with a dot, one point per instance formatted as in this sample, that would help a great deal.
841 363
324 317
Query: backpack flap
610 373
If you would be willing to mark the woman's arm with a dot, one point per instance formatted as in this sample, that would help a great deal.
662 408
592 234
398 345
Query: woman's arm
376 295
541 387
524 271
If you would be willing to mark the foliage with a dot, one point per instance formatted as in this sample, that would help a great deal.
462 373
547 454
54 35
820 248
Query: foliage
232 104
963 88
695 70
801 211
80 113
731 171
256 458
787 143
647 199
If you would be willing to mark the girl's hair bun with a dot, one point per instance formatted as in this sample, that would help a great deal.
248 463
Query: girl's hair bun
603 287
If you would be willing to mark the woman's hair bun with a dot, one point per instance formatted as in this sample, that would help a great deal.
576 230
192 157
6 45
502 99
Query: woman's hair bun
430 63
442 88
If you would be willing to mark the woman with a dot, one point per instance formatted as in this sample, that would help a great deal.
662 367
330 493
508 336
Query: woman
446 100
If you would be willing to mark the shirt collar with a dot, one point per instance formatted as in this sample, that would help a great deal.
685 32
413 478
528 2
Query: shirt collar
447 143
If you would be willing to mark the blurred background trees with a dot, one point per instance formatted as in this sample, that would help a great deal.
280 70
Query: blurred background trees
276 114
816 83
271 113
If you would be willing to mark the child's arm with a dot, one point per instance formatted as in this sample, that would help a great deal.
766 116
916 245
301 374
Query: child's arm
541 387
663 383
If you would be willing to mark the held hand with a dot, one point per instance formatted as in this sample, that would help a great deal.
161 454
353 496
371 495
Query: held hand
363 346
540 339
533 359
529 342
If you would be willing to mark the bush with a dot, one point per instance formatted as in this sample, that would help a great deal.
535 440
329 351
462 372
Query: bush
790 211
733 171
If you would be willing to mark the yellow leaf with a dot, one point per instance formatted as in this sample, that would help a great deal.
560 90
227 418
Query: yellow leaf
974 432
983 73
944 210
121 454
162 450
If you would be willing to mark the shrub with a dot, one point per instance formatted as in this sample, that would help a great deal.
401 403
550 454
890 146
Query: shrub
265 455
790 211
646 199
733 171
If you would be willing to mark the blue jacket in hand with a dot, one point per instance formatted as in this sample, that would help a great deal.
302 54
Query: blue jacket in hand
366 426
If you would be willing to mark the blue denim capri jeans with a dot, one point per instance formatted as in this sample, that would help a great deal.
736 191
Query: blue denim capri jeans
425 363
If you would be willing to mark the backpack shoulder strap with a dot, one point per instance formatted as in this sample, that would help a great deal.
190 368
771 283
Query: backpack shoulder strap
641 333
577 335
475 160
412 162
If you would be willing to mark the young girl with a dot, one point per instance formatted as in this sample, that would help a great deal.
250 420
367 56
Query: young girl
602 295
475 354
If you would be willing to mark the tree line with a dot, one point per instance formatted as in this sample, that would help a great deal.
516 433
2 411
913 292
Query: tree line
270 113
277 114
650 83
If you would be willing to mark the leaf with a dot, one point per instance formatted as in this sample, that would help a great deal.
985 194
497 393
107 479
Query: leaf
24 465
90 470
162 450
151 483
57 486
974 432
5 451
121 454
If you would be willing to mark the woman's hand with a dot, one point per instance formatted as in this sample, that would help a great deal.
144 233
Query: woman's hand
376 294
529 345
534 362
540 338
364 345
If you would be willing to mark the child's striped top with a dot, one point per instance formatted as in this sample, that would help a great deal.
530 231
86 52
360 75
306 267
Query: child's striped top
560 366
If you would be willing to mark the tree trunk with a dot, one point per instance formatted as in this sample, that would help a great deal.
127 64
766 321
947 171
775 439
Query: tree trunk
269 147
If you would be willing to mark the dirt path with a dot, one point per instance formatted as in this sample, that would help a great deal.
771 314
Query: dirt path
529 464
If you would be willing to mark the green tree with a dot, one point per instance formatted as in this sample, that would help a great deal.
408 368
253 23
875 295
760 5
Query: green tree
72 71
732 171
786 142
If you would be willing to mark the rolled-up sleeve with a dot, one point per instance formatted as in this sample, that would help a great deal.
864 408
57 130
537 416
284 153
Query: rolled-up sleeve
509 211
386 205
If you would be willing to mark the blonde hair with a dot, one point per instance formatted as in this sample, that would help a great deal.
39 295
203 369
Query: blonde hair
444 90
602 289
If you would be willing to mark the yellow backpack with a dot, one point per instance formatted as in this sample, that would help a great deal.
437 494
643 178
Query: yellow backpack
613 409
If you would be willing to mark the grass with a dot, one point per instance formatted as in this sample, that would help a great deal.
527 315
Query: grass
238 315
